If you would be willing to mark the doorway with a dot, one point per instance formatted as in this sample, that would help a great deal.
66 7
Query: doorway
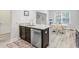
5 25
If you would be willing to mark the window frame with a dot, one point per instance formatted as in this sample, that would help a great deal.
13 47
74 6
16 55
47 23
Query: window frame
61 13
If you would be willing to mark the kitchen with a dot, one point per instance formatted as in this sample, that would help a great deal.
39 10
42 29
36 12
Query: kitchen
44 29
32 19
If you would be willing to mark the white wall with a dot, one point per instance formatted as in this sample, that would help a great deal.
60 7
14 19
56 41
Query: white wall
5 21
74 19
18 17
51 14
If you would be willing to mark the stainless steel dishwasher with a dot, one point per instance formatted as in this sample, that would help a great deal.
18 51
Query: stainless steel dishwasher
36 38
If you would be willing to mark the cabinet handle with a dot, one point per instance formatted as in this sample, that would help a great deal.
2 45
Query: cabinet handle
45 32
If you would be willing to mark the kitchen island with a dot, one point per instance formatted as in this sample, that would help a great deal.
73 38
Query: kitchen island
37 35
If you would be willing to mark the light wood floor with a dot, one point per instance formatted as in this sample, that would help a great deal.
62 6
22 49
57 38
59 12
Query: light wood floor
4 40
66 40
57 40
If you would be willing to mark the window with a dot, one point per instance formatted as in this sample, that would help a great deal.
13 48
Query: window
58 18
62 17
65 17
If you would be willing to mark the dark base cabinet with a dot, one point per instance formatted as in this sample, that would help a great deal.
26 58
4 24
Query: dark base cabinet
45 38
77 39
22 32
28 34
25 34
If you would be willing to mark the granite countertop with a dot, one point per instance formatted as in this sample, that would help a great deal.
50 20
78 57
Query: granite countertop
37 26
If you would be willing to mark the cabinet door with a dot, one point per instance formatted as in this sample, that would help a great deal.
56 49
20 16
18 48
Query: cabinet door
22 32
28 35
77 39
45 38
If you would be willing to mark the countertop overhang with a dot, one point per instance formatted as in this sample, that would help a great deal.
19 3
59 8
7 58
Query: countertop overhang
36 26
